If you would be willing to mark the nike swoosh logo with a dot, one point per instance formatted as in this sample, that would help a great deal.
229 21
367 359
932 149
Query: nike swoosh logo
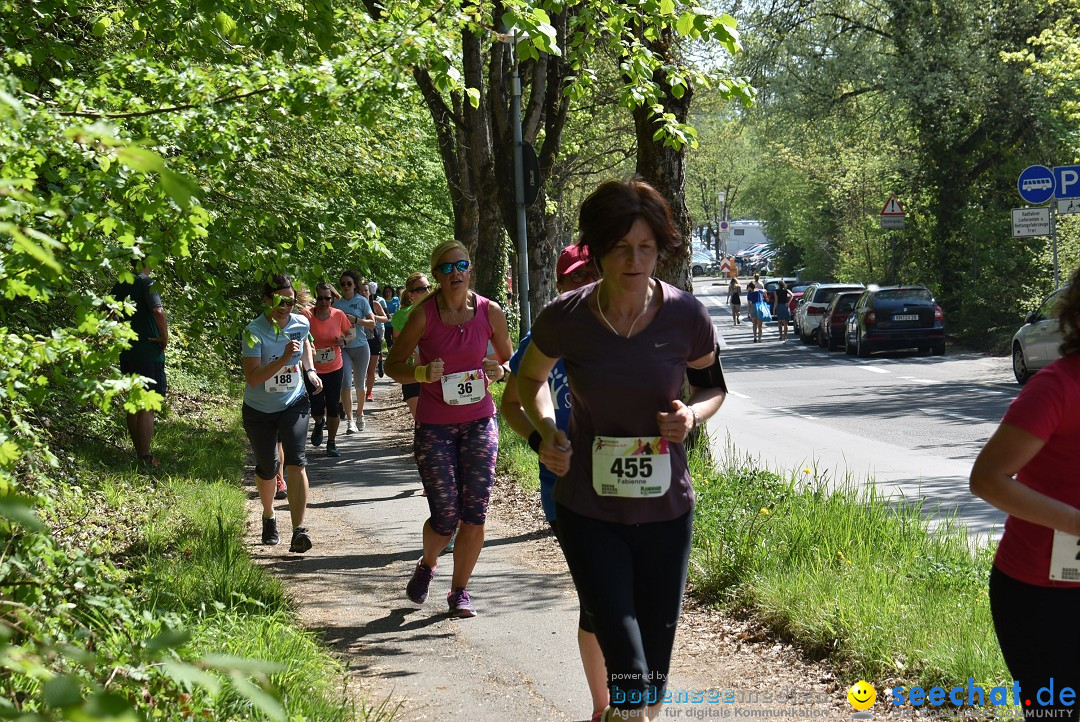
660 345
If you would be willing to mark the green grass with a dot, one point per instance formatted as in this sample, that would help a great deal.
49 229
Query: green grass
846 574
838 570
178 543
516 459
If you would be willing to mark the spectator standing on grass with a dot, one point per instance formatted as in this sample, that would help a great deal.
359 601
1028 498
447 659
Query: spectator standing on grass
1028 469
573 271
146 354
625 519
456 438
277 360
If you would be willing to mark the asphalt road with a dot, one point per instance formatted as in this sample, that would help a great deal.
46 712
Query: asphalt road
908 423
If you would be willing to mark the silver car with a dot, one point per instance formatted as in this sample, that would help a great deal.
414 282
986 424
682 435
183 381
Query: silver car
1036 343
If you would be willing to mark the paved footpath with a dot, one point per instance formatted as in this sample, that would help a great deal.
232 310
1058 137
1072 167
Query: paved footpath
517 660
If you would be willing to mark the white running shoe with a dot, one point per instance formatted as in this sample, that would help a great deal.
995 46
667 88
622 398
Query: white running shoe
360 424
350 427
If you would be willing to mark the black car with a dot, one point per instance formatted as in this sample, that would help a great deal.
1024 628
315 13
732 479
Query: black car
895 317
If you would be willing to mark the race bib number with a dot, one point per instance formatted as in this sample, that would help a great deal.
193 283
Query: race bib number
633 467
325 355
284 381
464 387
1065 557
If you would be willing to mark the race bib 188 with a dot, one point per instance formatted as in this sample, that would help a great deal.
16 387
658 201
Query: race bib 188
285 380
632 466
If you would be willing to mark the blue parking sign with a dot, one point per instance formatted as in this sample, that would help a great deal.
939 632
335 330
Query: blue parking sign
1067 181
1036 184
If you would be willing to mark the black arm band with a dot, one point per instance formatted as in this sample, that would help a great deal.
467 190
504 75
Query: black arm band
535 440
711 377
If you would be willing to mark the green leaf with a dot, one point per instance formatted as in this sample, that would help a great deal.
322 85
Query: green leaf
228 663
140 159
191 676
474 97
259 697
62 692
667 7
179 187
168 638
686 23
104 707
225 24
41 253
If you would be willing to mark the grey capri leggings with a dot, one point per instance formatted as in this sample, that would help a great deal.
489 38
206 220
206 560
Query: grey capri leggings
358 357
264 430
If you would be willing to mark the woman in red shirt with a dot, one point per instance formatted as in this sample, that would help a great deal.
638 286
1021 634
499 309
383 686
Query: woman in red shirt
332 331
1028 469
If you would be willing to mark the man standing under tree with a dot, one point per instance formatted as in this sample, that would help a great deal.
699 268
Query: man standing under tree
146 356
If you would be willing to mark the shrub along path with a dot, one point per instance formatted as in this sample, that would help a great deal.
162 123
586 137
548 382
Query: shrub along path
518 658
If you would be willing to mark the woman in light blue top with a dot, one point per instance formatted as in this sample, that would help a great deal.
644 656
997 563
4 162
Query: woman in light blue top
357 352
277 359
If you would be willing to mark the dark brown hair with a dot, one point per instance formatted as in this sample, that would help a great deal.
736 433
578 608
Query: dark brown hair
1068 310
609 211
277 283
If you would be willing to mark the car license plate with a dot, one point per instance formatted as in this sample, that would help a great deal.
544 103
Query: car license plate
906 317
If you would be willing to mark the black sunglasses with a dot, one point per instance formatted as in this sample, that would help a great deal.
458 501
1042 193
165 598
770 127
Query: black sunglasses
420 289
447 268
286 302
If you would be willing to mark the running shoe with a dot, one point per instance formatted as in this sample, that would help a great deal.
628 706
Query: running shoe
282 491
270 536
350 427
360 424
370 396
460 603
417 588
301 542
331 449
317 434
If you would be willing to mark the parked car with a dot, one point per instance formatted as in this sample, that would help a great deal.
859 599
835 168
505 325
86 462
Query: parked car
895 317
1036 343
834 320
701 263
815 300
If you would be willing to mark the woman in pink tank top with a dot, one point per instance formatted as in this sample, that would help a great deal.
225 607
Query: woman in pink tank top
456 436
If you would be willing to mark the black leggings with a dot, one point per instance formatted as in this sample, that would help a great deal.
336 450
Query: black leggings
1039 640
264 430
328 401
630 578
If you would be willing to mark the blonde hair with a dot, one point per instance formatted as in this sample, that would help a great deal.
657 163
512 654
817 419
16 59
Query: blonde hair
445 247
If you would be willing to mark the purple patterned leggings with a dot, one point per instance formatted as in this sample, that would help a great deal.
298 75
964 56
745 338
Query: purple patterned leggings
457 468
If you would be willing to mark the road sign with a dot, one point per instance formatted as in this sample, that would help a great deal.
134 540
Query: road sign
1067 181
724 226
1030 222
1067 206
892 215
1036 184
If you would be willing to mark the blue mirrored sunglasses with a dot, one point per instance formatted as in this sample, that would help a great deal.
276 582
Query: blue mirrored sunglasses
447 268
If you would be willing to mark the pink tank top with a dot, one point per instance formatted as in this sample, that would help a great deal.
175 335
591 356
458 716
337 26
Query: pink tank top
462 349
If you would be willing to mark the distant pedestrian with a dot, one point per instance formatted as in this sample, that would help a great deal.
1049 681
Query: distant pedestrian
369 291
146 355
781 309
734 297
331 331
391 303
416 288
756 309
1028 469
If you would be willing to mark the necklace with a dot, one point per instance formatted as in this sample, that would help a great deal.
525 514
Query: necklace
600 307
464 312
